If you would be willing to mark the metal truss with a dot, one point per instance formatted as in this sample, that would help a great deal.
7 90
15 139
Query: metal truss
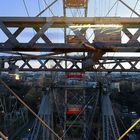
61 22
57 63
108 120
76 100
92 62
44 112
42 24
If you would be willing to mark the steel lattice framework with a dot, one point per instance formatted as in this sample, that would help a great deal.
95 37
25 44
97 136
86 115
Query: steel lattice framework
105 64
41 25
93 62
60 57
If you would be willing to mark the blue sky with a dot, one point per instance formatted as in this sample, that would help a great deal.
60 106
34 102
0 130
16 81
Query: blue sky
16 7
96 7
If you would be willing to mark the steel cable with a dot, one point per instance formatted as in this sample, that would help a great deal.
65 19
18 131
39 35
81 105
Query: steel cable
23 103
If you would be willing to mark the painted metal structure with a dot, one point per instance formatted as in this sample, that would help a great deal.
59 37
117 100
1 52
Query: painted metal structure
91 59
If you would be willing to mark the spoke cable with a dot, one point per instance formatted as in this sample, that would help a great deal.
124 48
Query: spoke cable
78 116
25 5
23 103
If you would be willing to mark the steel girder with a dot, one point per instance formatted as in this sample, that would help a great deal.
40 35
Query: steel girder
61 22
57 63
42 24
89 63
109 123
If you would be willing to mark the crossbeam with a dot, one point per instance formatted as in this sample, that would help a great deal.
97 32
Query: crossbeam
92 62
61 22
57 63
42 24
63 48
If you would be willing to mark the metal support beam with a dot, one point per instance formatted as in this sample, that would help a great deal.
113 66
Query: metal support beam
56 63
39 34
3 136
42 24
108 120
132 46
88 63
61 22
46 8
129 8
45 113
